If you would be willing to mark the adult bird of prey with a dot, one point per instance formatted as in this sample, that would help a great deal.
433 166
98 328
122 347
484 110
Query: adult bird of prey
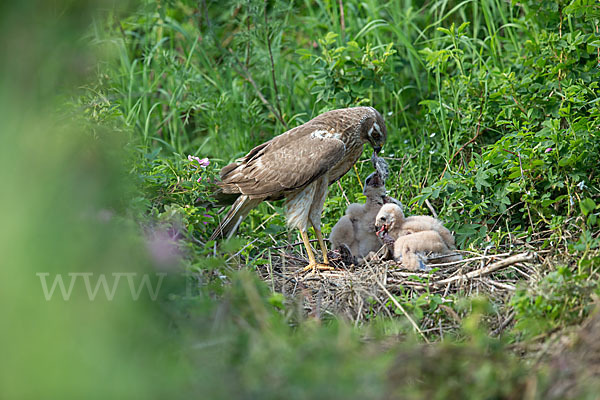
299 165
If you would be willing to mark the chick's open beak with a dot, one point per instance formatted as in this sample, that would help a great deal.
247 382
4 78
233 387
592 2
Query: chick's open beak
376 149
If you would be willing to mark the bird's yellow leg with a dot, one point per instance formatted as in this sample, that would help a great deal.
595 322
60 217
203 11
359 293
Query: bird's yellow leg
323 247
312 262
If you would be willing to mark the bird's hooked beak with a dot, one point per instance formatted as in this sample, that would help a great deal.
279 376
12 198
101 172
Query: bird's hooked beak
382 231
376 149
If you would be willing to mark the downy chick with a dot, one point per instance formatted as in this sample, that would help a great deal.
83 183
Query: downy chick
412 238
356 231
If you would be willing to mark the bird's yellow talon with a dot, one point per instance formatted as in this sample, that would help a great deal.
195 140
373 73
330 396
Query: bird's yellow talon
317 266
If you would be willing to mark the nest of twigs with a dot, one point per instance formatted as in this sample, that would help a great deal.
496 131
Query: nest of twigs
358 293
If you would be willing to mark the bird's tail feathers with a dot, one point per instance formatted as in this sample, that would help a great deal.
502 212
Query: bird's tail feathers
239 210
217 198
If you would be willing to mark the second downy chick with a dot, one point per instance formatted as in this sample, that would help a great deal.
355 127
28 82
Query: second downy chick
411 239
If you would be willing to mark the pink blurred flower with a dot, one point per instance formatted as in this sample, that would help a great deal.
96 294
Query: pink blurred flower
203 162
199 180
548 150
163 245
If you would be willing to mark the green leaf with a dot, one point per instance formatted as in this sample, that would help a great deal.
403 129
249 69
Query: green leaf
444 30
587 205
277 300
463 26
330 38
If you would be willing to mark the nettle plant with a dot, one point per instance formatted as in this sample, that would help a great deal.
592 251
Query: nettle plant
347 75
172 187
561 298
535 117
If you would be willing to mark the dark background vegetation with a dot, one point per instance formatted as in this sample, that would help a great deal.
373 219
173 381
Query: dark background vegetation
493 114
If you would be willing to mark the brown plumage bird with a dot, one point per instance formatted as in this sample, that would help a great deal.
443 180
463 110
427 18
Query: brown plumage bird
299 165
414 236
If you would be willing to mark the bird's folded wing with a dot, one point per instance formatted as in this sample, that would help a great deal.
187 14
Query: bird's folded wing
284 165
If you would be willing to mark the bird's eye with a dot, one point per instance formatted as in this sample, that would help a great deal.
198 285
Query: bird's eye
376 134
382 218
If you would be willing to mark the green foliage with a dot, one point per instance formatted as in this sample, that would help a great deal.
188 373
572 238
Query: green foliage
538 116
493 113
561 298
63 208
347 75
252 350
503 103
478 368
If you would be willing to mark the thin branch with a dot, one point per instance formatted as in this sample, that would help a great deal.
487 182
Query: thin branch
362 188
272 62
519 106
527 256
501 285
248 49
246 74
295 244
397 304
504 324
344 193
428 204
342 20
240 252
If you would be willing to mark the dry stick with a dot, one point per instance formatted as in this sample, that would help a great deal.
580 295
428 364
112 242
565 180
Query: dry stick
467 260
519 105
502 285
358 312
272 238
393 299
453 314
287 279
342 21
504 324
527 256
344 193
428 204
302 260
248 52
295 244
246 74
270 270
272 62
240 252
262 226
358 177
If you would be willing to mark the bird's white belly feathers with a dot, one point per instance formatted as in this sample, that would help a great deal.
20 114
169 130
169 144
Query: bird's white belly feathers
307 204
